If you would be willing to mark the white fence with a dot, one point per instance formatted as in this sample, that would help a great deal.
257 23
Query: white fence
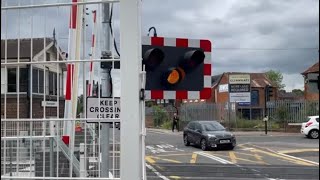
33 78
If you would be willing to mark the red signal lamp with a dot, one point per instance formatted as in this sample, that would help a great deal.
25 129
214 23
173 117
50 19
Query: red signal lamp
153 58
191 60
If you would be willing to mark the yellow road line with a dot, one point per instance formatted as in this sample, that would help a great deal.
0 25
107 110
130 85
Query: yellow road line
169 160
298 151
259 158
233 157
150 160
299 162
166 155
175 177
194 158
254 155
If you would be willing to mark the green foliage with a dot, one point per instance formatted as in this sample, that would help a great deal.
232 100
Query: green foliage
298 92
253 124
276 78
282 113
160 116
166 125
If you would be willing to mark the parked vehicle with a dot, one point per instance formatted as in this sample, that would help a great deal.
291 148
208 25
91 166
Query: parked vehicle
311 128
208 134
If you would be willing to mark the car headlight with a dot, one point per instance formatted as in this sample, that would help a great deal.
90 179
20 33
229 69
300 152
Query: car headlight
211 136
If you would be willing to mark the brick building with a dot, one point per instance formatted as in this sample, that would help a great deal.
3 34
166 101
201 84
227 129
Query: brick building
28 84
220 93
311 86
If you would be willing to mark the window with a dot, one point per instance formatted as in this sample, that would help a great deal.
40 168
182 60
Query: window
23 83
191 126
41 82
12 79
198 127
52 83
254 97
35 80
47 56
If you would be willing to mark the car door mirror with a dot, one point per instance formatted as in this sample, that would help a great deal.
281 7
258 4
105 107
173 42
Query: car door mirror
198 131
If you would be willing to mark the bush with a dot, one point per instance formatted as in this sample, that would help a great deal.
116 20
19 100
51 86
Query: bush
254 124
166 125
160 116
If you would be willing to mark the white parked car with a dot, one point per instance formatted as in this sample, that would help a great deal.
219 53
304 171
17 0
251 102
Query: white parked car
311 128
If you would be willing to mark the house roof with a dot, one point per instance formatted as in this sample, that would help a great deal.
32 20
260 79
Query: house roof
288 95
25 47
215 79
312 69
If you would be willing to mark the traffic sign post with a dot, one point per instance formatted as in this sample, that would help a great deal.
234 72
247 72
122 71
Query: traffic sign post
104 108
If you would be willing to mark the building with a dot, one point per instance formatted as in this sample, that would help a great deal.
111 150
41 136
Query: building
291 96
259 81
311 82
31 84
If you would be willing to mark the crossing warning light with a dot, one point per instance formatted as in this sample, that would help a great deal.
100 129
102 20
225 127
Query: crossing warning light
177 68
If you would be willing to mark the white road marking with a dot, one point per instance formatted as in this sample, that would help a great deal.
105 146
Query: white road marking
156 172
162 148
210 156
300 159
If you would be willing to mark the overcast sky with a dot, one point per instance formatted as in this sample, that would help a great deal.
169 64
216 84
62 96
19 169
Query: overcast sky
247 35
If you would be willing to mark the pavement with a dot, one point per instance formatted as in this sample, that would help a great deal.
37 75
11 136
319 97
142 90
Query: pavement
237 133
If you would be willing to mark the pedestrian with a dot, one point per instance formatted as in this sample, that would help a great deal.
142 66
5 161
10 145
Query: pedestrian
175 122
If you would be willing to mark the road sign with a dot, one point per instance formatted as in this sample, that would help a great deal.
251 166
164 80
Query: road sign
177 68
239 79
239 88
104 108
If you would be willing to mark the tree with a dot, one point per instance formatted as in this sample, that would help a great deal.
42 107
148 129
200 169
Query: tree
276 78
298 92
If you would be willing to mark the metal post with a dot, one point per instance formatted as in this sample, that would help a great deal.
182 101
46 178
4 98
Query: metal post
130 45
51 156
10 154
83 169
105 127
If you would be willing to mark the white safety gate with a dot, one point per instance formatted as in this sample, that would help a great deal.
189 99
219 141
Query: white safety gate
44 129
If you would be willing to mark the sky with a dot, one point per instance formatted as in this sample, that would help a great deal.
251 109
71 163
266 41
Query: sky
246 35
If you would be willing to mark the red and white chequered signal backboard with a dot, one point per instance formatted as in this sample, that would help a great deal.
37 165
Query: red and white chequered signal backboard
205 45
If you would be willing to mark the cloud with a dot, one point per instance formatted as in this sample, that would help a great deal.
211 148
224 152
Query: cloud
247 35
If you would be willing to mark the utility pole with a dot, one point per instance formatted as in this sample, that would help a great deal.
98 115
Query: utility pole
106 91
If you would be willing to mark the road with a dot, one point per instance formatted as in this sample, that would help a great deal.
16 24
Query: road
284 156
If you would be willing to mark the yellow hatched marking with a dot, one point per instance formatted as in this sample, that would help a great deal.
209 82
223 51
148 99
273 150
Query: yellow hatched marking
175 177
241 159
194 158
298 151
150 160
284 157
233 157
168 155
169 160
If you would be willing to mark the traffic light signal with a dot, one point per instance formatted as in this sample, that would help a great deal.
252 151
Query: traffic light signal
269 92
177 68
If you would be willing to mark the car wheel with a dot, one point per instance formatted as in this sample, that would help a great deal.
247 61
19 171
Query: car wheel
203 144
314 134
186 141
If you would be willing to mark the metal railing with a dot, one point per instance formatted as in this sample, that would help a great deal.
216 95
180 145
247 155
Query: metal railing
32 124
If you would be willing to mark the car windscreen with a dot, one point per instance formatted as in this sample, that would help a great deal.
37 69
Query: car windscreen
212 126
